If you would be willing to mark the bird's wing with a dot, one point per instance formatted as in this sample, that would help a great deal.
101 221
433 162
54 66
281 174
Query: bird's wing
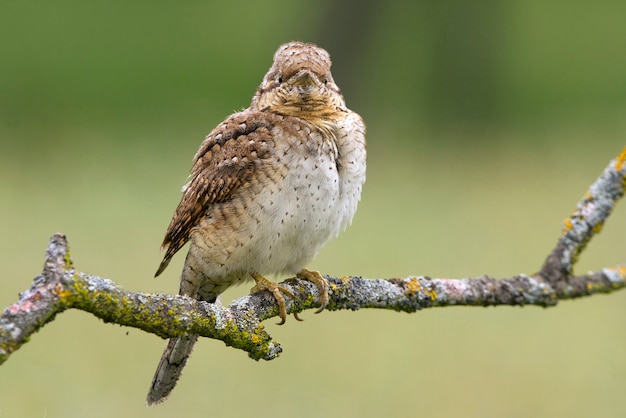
227 158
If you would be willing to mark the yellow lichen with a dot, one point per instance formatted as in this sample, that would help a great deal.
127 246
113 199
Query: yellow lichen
61 291
567 225
621 270
620 161
68 262
597 228
344 279
594 287
412 286
432 294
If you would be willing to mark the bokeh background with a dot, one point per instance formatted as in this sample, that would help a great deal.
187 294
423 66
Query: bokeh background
487 121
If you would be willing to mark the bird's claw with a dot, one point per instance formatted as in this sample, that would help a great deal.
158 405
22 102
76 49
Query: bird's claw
277 290
322 284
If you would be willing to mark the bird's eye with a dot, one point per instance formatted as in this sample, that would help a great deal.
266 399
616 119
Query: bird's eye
279 78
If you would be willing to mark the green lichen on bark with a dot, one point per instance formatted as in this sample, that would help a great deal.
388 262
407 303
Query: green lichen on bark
167 316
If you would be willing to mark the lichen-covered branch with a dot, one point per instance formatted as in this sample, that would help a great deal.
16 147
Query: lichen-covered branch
61 287
587 220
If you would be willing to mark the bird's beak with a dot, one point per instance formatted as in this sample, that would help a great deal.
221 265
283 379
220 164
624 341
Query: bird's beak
305 78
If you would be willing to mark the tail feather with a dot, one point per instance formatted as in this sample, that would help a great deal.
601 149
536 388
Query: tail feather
179 349
163 265
170 368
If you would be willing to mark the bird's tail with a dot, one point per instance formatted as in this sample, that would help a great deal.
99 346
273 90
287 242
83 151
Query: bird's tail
170 368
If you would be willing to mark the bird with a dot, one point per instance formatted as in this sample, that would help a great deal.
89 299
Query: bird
268 187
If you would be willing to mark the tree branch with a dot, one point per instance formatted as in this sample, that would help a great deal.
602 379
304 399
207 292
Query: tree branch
60 286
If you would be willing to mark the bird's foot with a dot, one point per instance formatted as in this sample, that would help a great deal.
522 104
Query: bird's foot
316 278
277 290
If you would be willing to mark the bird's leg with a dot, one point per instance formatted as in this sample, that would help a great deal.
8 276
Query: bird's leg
277 290
316 278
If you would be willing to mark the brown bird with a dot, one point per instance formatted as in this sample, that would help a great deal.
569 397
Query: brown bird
268 188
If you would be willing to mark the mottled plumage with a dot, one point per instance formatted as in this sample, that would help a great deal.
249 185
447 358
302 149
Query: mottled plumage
268 188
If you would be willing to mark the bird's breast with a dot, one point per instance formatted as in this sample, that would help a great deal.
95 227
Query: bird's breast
303 194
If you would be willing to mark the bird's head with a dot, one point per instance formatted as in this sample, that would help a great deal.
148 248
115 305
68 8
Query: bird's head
299 83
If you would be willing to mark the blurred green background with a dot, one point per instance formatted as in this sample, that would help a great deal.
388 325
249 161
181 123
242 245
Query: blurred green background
487 121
